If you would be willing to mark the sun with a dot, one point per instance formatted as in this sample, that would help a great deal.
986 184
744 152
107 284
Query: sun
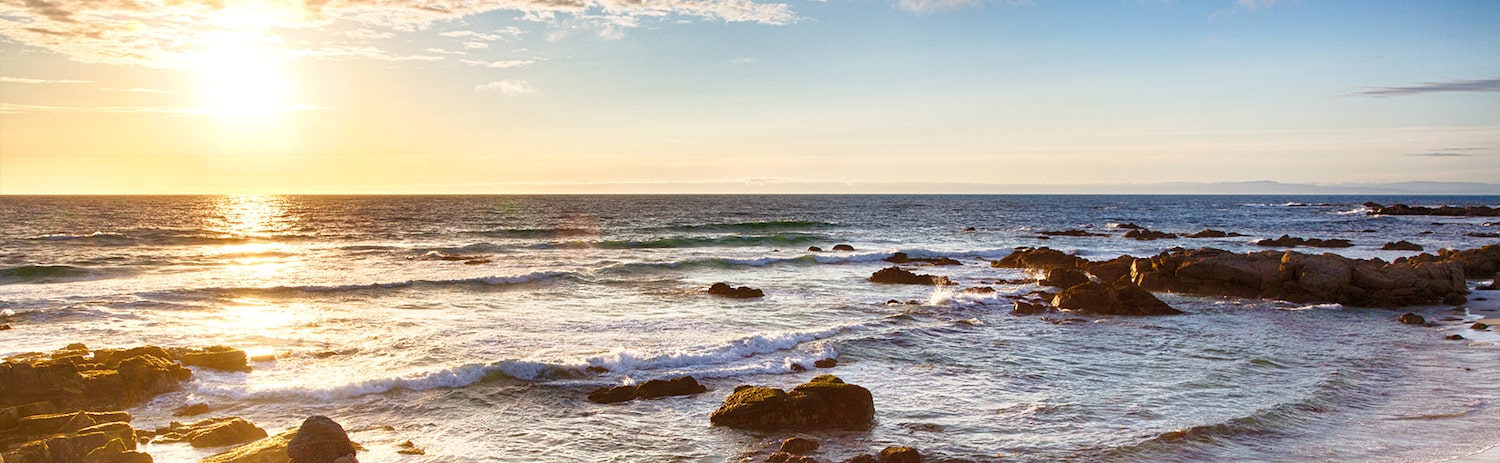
239 78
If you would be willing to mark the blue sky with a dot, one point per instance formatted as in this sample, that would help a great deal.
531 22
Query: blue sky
286 96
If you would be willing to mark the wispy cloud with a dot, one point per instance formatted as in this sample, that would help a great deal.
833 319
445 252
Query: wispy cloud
24 80
742 61
172 33
1451 152
508 87
1482 85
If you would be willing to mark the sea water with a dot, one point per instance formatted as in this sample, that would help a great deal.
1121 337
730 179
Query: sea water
469 324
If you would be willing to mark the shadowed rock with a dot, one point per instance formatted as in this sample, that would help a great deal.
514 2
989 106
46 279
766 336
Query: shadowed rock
1211 233
902 258
1073 232
825 402
742 292
1289 242
319 440
1302 278
1119 298
212 432
1450 211
1038 258
652 389
1148 235
1402 245
896 275
1064 277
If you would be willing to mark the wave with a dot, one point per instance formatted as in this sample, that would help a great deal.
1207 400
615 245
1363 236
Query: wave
735 357
760 227
522 233
165 238
692 242
488 281
41 274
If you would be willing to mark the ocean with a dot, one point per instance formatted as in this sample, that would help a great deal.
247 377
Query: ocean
468 325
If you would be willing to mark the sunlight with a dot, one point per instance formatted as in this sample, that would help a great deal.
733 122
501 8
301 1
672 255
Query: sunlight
240 75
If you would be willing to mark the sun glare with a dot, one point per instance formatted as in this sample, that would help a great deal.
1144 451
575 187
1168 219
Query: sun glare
239 73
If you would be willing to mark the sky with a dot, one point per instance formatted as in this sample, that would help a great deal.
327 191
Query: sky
684 96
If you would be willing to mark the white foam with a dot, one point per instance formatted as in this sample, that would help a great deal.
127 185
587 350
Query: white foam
1317 307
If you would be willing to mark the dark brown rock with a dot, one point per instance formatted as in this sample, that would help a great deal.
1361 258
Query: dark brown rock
814 249
1148 235
1449 211
798 446
1073 232
826 363
1038 258
900 455
896 275
1064 277
1412 319
1454 337
1028 308
742 292
785 457
609 395
191 410
319 440
219 358
685 385
1289 242
1479 326
1402 245
843 247
1119 298
902 258
1302 278
825 402
1211 233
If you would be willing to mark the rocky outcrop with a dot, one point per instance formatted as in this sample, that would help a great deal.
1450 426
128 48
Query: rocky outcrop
73 378
1402 245
1064 277
1449 211
890 455
899 276
825 402
1211 233
72 437
1302 278
320 440
212 432
1073 232
1289 242
269 450
1119 298
843 247
1476 262
217 357
1143 234
902 258
652 389
742 292
1029 308
1038 258
1412 319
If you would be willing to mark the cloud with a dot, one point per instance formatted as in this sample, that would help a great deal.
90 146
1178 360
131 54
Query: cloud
1462 152
475 45
508 87
23 80
1482 85
1440 155
171 33
927 6
742 61
445 52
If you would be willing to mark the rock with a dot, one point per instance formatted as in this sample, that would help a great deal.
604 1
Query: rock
979 290
825 402
1111 270
1289 242
1128 226
1211 233
1482 235
902 258
1028 308
900 455
1412 319
11 416
1475 262
4 327
826 363
1038 258
191 410
784 457
1479 326
212 432
1148 235
798 446
1449 211
64 423
1069 233
896 275
652 389
861 459
1064 277
219 358
743 292
1454 337
970 230
843 247
269 450
814 249
1119 298
319 440
1402 245
1302 278
596 369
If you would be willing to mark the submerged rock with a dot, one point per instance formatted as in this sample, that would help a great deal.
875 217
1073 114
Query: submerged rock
652 389
1211 233
1119 298
1028 308
1402 245
843 247
1289 242
1071 232
1148 235
1450 211
742 292
897 275
825 402
1412 319
1038 258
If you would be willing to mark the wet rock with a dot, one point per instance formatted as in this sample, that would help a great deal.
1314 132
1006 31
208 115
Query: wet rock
784 457
1449 211
1112 270
1302 278
1211 233
896 275
862 459
62 423
652 389
970 230
319 440
826 363
1454 337
4 327
1038 258
1476 262
900 455
742 292
843 247
1119 298
408 448
1402 245
1286 241
223 358
825 402
1073 232
902 258
269 450
979 290
1482 235
191 410
1148 235
1412 319
1028 308
1128 226
814 249
1479 326
212 432
798 446
1064 277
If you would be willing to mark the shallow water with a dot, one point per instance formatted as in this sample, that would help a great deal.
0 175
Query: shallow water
465 324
